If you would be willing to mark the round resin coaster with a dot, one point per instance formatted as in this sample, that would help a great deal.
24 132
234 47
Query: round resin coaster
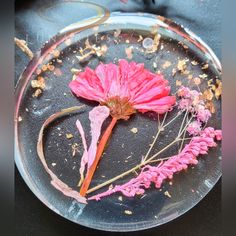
164 47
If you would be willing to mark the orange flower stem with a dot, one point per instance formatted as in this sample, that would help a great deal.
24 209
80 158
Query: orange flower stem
99 153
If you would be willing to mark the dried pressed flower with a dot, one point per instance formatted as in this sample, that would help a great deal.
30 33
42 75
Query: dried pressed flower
198 145
123 88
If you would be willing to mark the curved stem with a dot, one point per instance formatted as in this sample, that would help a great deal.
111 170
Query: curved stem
100 149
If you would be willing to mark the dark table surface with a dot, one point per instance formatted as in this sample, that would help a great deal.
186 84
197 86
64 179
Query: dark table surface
35 23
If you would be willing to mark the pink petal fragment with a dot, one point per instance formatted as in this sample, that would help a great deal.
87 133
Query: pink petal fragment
97 116
66 190
84 159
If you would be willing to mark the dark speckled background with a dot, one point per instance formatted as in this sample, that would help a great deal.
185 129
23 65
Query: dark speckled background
33 24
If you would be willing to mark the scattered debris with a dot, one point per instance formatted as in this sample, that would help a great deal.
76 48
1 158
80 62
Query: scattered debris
24 47
128 212
203 76
178 83
204 67
93 50
68 42
197 80
117 33
218 90
75 71
37 93
166 64
120 198
174 71
69 136
56 53
134 130
208 94
74 148
140 38
129 52
57 72
183 45
38 84
154 65
182 66
167 194
194 63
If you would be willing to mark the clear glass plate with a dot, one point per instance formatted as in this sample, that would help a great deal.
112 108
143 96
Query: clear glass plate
153 209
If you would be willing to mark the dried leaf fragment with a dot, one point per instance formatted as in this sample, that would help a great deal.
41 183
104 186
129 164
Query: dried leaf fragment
39 83
37 93
208 94
182 66
218 90
24 47
210 106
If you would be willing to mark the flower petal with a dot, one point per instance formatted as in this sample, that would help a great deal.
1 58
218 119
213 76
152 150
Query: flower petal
84 159
97 116
160 106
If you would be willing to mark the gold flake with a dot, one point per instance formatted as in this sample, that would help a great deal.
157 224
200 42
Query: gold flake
128 212
69 136
134 130
166 64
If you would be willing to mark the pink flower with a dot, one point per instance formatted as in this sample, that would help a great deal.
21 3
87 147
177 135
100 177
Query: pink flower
165 170
191 100
194 128
96 116
202 113
218 134
124 88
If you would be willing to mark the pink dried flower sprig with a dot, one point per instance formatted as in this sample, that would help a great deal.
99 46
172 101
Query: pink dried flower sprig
191 100
198 145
